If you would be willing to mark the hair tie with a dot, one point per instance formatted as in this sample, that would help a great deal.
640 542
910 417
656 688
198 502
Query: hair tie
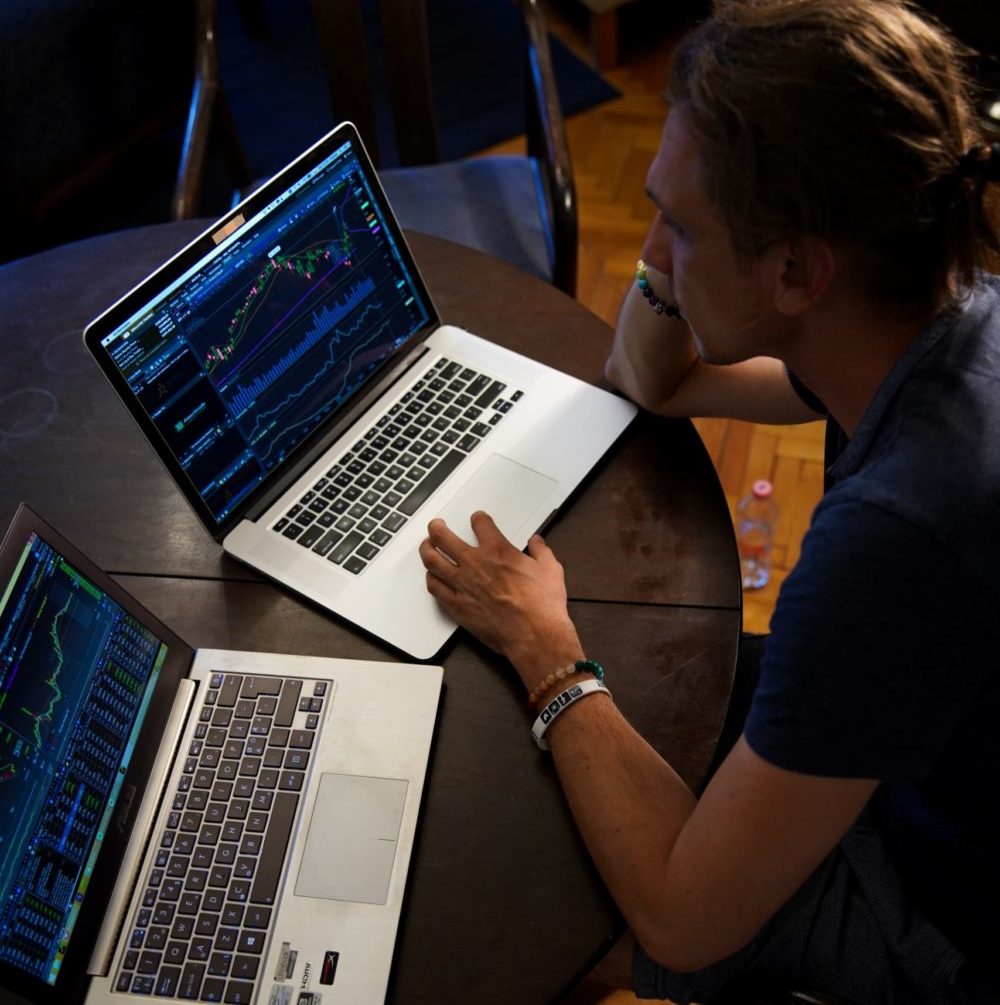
981 161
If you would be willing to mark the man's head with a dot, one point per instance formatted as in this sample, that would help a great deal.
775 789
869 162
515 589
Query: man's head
845 120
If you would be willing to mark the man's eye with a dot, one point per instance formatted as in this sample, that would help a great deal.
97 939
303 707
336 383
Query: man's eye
673 225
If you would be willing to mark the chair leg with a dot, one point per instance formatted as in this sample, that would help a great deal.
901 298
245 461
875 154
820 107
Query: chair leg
208 103
604 38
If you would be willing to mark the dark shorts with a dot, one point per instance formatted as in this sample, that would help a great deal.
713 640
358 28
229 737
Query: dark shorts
850 931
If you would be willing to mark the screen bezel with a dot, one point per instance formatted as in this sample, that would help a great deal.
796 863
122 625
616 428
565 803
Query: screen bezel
70 984
153 285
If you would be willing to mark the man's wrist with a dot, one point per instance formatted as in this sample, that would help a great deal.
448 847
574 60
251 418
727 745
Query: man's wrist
534 661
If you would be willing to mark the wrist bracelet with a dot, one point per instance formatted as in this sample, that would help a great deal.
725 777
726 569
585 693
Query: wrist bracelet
560 703
580 666
658 305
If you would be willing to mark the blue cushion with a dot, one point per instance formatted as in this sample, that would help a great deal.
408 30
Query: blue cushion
488 203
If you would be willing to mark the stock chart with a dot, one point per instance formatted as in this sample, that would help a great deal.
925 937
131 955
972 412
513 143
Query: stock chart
73 670
246 359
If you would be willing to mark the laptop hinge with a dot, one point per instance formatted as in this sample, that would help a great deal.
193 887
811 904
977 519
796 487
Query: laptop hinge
107 938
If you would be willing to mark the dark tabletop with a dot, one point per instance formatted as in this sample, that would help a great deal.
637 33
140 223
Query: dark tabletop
503 904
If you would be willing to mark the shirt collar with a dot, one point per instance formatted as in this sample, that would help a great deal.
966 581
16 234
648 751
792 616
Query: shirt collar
867 429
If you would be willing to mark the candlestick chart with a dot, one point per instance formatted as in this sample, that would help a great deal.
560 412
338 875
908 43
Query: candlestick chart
284 338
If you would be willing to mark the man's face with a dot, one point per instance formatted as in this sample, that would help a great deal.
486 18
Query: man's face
727 302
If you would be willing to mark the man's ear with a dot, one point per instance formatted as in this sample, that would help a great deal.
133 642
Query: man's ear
804 270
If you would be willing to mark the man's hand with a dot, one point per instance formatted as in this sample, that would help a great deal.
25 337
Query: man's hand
514 602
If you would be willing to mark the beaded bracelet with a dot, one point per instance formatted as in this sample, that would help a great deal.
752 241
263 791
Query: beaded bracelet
580 666
560 703
658 305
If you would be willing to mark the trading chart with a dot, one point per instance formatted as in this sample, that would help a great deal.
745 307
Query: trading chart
74 668
245 359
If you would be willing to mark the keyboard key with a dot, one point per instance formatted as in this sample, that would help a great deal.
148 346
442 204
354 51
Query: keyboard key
213 989
230 690
149 962
486 397
284 714
219 964
425 488
190 982
238 993
272 856
327 542
245 967
354 565
253 687
167 981
346 547
257 917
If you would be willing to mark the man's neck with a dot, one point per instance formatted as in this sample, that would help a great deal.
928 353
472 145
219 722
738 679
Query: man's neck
845 351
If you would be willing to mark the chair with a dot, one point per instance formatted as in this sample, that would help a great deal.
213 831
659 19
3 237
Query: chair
90 91
519 209
209 108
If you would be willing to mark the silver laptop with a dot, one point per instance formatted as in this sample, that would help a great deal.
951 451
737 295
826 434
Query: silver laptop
293 375
196 826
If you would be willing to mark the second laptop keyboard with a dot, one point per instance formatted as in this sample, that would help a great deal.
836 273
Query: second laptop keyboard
201 927
351 513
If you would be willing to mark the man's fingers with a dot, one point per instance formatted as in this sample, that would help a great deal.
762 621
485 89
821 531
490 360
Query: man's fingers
446 540
486 530
440 566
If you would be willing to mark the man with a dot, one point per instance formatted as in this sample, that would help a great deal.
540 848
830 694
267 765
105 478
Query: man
820 190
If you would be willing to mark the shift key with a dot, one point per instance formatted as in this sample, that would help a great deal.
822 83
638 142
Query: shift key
273 853
284 714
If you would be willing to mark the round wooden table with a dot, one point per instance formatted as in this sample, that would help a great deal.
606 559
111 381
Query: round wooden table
503 903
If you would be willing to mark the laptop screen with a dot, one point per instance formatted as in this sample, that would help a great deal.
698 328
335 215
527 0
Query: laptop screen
239 359
77 675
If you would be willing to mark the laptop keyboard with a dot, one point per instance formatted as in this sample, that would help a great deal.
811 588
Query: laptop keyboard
352 512
201 928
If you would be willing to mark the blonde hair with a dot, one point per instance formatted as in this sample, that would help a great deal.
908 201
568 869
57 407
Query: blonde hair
843 119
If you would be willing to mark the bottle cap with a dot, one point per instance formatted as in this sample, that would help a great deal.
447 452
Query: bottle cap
762 488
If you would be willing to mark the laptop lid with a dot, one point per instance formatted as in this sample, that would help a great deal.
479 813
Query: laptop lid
87 680
252 347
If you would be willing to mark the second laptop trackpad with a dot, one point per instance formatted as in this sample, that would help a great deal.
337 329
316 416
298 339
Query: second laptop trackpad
351 845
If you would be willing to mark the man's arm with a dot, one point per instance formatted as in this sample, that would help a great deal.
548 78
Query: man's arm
654 361
695 880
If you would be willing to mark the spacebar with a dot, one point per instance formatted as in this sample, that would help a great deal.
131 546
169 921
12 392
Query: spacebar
428 484
272 855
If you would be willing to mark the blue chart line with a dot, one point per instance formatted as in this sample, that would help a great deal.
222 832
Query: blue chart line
331 361
324 321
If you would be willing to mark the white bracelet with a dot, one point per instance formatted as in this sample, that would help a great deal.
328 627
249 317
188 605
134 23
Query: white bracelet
560 703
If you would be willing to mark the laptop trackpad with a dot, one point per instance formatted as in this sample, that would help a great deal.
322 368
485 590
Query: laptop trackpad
352 839
508 491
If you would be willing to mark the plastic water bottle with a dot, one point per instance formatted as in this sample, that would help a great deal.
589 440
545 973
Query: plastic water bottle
756 517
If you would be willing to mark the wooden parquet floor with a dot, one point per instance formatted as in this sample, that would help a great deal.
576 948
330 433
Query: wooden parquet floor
612 146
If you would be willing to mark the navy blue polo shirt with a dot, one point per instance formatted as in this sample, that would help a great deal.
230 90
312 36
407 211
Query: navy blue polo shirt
883 656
